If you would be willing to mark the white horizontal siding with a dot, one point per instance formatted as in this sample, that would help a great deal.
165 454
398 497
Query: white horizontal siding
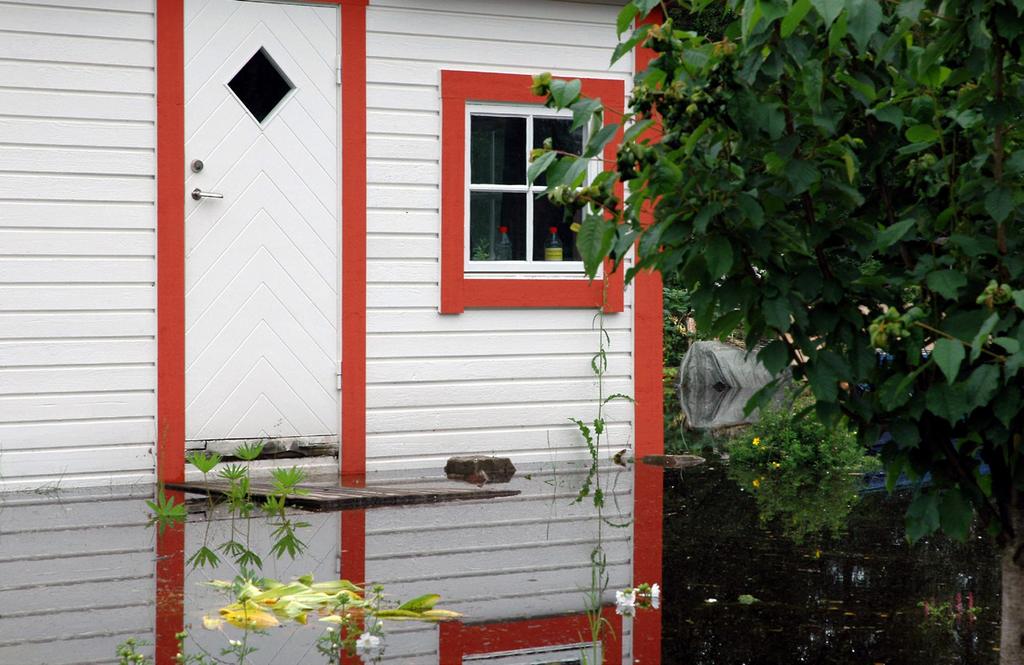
489 381
501 559
77 242
76 575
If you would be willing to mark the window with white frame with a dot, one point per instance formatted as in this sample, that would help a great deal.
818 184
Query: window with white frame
511 226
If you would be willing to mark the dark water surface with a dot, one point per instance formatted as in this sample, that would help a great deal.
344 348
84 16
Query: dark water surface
851 599
82 571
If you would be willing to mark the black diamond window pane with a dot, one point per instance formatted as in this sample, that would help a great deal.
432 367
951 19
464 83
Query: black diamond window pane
259 85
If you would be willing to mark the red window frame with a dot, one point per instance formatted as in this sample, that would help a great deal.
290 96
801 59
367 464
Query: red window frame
457 292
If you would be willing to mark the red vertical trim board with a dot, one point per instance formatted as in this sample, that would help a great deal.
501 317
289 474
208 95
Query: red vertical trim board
457 639
170 239
649 419
170 281
458 292
353 233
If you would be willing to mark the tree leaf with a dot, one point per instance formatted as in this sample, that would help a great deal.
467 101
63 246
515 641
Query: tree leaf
625 18
999 203
777 314
636 129
955 514
564 92
751 209
922 134
828 9
812 77
948 356
540 165
774 356
794 17
890 114
594 240
801 175
983 384
583 110
948 402
946 283
599 140
837 33
978 343
750 16
890 235
718 254
864 18
922 516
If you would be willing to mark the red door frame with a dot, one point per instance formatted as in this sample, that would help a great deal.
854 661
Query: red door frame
170 285
170 102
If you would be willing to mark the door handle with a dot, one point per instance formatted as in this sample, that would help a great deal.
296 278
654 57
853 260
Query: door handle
199 195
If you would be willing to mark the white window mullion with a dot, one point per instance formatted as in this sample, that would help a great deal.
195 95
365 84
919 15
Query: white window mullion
529 192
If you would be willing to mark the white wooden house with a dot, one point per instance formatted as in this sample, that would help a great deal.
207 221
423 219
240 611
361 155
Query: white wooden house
225 220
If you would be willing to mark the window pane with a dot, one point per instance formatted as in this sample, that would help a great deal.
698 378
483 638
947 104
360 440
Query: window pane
497 150
259 85
489 212
545 216
557 129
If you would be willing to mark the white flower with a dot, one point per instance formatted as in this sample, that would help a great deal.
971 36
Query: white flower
625 602
234 643
369 647
655 596
711 600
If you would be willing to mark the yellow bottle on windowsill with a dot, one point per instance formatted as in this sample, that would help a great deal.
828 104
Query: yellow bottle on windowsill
553 246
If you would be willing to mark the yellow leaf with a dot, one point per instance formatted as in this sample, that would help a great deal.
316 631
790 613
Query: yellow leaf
851 170
251 619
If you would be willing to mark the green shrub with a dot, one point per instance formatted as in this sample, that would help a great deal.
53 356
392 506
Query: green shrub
792 438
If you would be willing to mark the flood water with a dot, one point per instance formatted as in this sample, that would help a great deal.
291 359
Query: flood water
850 598
82 571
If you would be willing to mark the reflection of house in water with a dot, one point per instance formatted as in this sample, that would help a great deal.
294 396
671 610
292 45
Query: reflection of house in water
517 568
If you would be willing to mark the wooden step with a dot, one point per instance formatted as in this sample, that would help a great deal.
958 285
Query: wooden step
317 498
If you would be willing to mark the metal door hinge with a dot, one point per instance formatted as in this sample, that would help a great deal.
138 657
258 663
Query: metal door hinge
339 376
338 69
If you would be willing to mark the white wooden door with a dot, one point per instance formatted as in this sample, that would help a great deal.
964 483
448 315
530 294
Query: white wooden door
262 263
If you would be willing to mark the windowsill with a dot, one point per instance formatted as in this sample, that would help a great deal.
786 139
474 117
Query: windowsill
464 287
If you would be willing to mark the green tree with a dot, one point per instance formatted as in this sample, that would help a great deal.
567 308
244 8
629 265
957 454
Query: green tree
844 179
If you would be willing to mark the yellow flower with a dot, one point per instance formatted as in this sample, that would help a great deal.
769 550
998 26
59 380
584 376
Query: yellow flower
756 441
212 623
776 465
756 483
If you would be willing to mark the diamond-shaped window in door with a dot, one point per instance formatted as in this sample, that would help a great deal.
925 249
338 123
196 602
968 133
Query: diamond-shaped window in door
260 85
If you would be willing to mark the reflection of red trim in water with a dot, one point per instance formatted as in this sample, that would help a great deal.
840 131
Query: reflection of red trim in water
649 419
170 588
458 639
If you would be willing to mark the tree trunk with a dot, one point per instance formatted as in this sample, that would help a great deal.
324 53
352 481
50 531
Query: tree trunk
1012 639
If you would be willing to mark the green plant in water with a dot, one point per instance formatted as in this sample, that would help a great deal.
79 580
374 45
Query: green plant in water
166 512
804 476
259 603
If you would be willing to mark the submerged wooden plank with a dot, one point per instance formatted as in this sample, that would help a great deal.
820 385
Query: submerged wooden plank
340 498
